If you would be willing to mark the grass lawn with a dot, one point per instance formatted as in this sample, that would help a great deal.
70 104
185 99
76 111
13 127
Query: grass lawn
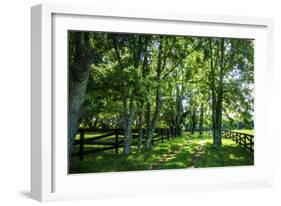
186 151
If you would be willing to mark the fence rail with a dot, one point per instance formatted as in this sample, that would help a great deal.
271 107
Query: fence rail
114 139
244 140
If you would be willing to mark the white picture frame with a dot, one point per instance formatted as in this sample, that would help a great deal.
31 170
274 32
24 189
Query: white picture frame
49 178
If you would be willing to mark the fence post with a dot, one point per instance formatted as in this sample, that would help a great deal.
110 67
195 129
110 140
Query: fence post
245 143
82 142
116 142
251 148
240 139
162 137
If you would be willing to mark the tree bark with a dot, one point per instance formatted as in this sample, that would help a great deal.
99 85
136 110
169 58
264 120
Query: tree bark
96 122
148 125
128 128
179 109
153 123
78 80
213 94
141 112
201 119
140 127
125 116
220 96
194 121
217 95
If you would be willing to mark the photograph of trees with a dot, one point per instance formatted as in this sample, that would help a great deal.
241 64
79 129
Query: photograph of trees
147 101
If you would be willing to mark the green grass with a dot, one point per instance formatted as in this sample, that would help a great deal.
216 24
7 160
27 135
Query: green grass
182 152
91 135
246 131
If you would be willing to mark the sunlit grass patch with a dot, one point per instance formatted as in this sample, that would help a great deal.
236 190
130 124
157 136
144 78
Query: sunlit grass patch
245 131
229 154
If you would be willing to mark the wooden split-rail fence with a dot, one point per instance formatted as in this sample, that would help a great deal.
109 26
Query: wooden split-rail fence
113 139
244 140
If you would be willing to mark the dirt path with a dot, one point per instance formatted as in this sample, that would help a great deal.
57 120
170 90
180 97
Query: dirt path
197 153
173 154
169 156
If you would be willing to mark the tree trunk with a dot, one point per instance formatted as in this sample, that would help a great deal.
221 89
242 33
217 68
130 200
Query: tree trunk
172 120
128 131
78 80
151 126
194 121
140 127
125 116
178 110
128 117
154 121
213 95
217 97
201 119
148 125
155 117
76 99
96 122
220 96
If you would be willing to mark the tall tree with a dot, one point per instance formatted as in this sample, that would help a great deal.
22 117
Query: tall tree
129 86
217 89
151 124
86 51
80 60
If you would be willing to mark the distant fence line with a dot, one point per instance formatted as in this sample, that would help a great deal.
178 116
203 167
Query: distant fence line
244 140
117 140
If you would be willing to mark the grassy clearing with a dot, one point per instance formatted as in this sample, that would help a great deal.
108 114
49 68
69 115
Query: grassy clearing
182 152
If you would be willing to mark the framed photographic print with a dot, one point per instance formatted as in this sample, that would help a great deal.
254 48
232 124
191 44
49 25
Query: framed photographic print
138 102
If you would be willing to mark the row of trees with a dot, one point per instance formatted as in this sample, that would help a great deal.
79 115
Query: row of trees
148 81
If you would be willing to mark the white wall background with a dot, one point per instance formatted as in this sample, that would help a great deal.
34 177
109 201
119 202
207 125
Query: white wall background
15 101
